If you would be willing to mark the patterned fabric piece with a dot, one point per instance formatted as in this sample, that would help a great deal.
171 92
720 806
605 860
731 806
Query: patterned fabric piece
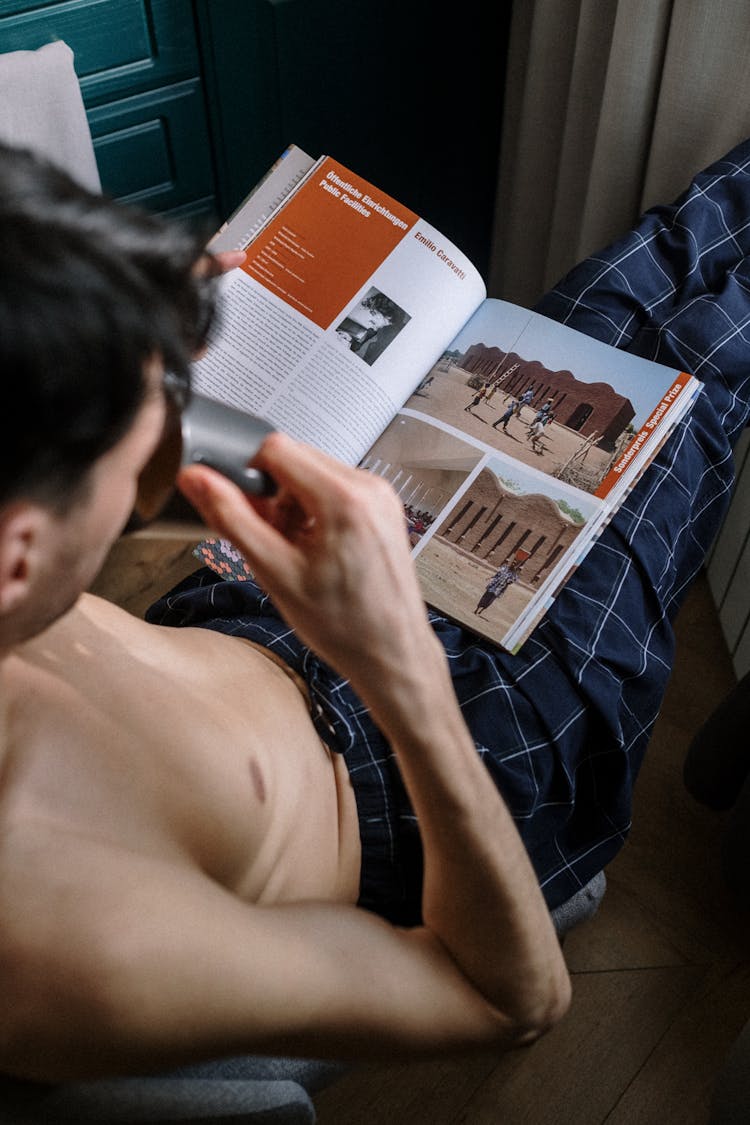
223 558
502 579
563 725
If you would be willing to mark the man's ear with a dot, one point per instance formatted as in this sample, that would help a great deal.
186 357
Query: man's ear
20 527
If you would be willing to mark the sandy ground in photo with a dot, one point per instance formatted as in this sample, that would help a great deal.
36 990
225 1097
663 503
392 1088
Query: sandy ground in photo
449 393
451 578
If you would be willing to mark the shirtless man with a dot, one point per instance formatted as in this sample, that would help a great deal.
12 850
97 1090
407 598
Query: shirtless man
180 871
179 851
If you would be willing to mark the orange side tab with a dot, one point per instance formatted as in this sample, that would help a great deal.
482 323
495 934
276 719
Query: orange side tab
645 436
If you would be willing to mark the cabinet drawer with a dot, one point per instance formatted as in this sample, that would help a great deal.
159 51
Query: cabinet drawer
119 45
153 148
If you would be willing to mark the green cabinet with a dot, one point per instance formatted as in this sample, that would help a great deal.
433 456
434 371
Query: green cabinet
120 45
154 148
139 65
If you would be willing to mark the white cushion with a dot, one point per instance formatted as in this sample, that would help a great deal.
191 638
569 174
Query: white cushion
41 108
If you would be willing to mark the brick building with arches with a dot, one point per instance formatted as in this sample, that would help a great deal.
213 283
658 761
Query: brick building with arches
494 524
586 408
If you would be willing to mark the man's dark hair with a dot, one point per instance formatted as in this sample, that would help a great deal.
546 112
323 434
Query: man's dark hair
90 290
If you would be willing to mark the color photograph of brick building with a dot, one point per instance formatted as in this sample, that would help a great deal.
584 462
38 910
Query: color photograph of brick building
468 514
586 408
494 523
505 516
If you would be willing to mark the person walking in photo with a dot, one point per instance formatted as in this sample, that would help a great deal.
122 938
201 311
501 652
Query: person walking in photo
534 435
506 417
524 400
544 412
478 396
504 577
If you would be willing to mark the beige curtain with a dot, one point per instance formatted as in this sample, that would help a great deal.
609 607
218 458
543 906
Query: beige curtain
611 106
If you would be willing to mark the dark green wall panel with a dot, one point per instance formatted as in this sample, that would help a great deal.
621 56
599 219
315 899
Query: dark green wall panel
153 148
408 93
119 45
139 65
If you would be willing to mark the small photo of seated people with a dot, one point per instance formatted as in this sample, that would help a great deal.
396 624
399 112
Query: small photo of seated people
371 325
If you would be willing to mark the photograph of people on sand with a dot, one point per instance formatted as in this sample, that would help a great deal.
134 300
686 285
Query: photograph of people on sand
554 399
486 531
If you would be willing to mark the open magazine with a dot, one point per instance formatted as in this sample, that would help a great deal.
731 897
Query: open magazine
511 439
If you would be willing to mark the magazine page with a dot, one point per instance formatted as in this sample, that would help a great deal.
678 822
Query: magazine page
346 299
245 223
512 454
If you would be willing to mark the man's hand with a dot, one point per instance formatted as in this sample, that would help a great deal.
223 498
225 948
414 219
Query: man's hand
331 547
222 262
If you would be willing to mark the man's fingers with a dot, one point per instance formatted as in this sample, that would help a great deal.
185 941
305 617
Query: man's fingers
312 477
230 259
225 260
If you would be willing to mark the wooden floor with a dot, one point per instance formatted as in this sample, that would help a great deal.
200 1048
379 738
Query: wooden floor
661 976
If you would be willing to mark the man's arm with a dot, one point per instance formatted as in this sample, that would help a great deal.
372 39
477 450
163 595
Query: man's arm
119 962
332 550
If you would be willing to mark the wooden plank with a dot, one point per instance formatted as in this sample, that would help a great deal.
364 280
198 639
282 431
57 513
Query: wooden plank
577 1074
142 567
433 1092
735 605
675 1087
741 654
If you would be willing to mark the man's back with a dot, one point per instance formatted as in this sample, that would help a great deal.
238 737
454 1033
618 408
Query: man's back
181 745
145 769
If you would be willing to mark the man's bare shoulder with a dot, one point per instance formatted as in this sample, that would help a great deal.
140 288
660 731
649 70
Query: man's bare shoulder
102 642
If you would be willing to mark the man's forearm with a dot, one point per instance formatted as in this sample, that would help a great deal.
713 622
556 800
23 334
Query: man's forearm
481 897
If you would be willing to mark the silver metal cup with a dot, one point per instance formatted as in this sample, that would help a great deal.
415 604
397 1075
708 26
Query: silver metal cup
226 439
204 432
